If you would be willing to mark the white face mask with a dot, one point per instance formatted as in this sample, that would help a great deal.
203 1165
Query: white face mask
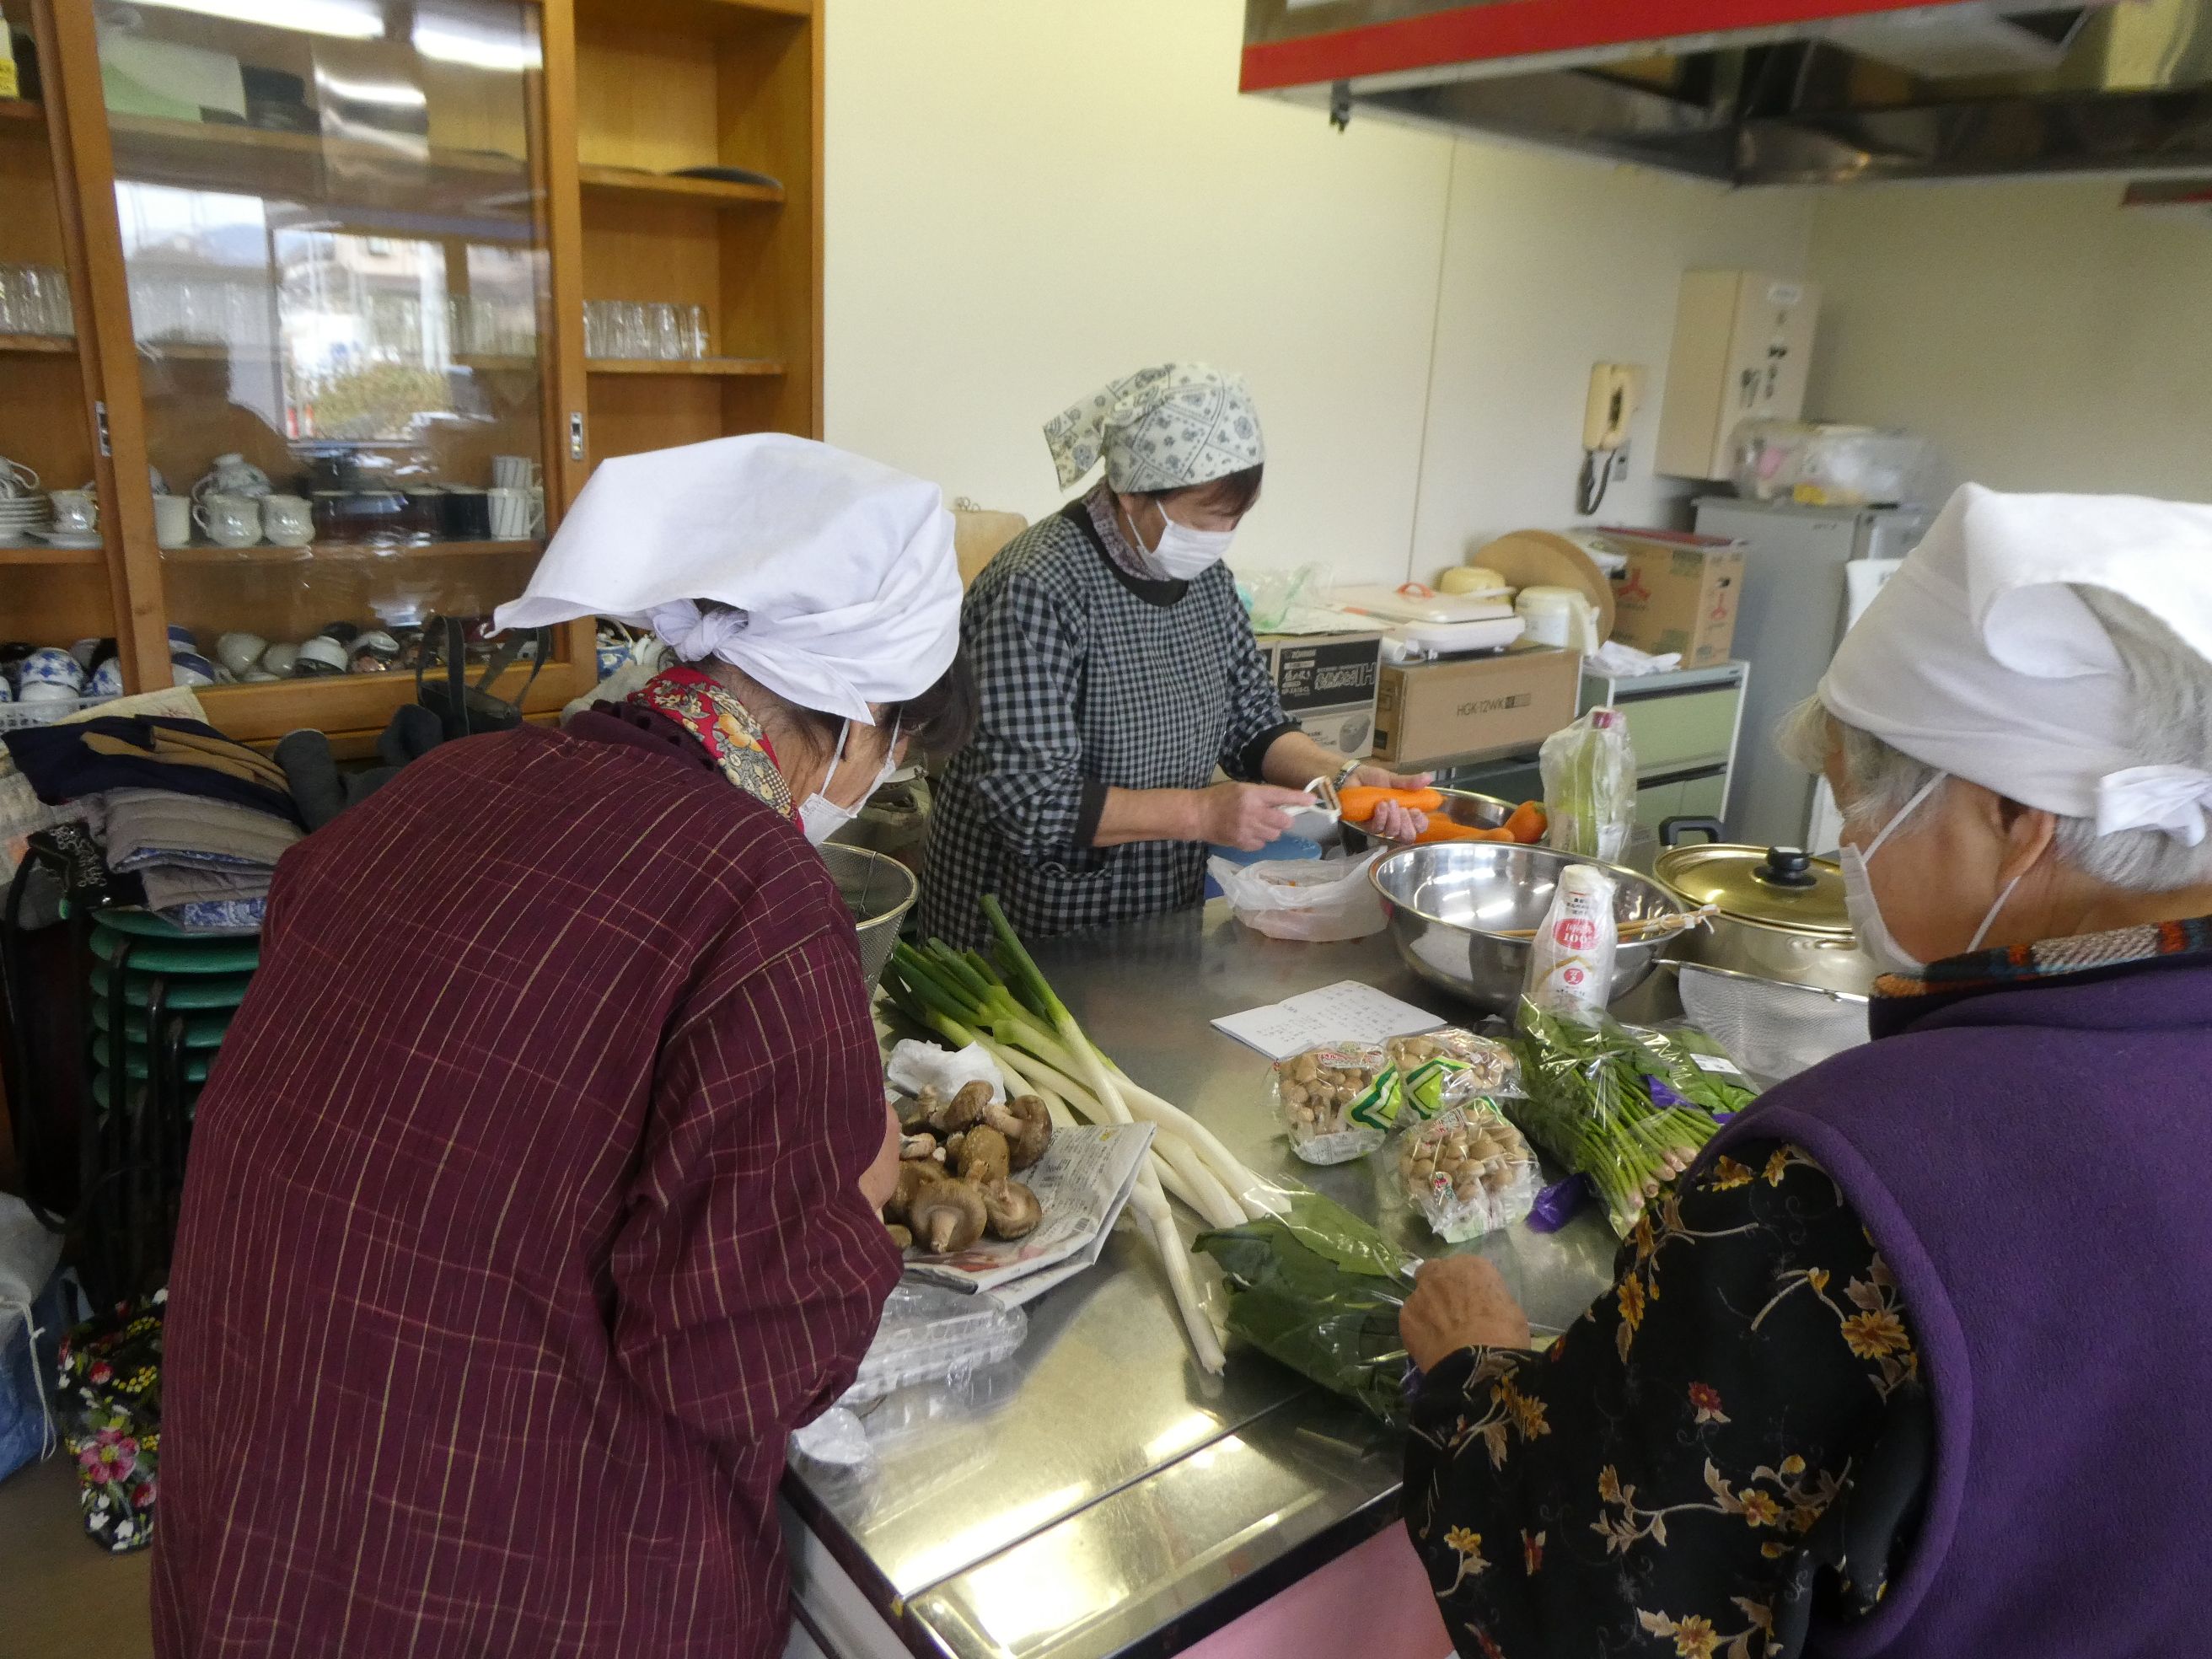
820 817
1859 901
1183 553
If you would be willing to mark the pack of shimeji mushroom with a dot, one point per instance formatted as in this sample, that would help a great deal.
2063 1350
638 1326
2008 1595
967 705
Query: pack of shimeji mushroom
993 1197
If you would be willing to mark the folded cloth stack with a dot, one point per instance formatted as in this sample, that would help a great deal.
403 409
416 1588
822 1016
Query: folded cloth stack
149 751
206 864
199 820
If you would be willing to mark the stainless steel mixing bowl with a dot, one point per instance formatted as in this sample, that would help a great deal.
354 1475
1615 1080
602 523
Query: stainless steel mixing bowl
1449 903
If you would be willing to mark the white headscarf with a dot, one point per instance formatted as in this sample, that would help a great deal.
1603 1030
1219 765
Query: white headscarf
843 570
1166 428
1977 658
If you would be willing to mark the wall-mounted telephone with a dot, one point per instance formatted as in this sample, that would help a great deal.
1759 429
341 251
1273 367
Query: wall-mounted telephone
1613 391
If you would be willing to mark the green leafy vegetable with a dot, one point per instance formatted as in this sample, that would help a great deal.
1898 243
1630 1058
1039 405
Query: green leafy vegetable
1336 1327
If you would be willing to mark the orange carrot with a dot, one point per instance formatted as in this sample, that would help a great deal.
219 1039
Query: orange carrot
1528 824
1360 801
1441 829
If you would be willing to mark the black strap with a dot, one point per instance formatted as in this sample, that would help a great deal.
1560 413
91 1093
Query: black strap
469 708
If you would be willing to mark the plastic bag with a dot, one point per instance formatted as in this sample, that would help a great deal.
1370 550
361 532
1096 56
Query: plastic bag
1468 1172
1337 1101
1694 1067
1822 465
1276 597
1439 1070
1328 1319
1609 1106
1570 959
1318 900
1590 785
27 1254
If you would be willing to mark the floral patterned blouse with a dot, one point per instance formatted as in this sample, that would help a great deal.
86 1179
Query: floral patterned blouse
1733 1439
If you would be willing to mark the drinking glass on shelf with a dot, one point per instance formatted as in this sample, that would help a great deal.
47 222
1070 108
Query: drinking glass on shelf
667 333
595 328
632 341
695 332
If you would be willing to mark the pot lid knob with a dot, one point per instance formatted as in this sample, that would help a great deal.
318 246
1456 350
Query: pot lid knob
1787 867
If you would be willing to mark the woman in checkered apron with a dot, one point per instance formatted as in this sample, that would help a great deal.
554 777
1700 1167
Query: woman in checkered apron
1119 678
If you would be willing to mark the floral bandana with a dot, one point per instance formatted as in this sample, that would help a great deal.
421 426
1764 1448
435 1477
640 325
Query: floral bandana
1166 428
696 702
110 1391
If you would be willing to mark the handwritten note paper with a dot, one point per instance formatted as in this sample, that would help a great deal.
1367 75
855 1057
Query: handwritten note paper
1345 1011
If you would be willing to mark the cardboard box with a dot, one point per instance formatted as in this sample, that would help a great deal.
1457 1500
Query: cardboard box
1328 684
1679 592
1473 707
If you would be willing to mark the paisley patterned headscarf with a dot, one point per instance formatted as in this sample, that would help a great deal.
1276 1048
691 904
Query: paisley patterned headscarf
1167 427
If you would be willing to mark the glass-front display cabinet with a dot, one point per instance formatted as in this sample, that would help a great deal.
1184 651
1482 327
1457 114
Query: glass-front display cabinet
57 587
334 304
334 236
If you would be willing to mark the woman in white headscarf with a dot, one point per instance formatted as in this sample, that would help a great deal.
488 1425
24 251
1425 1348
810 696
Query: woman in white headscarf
1909 1365
533 1200
1118 675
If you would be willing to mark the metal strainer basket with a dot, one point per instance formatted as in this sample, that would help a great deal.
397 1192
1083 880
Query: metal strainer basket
878 891
1771 1028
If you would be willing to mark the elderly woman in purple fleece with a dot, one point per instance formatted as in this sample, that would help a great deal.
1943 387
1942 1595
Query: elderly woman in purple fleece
1913 1364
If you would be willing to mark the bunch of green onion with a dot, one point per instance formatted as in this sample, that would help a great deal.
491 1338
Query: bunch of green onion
1591 1105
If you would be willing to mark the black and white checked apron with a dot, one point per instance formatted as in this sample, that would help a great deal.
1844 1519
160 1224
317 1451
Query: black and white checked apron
1091 677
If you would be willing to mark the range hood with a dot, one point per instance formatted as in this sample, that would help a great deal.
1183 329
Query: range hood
1768 92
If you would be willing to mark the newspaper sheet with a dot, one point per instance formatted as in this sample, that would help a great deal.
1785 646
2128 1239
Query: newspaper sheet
1081 1183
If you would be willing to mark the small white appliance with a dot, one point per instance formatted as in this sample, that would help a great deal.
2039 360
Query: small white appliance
1425 623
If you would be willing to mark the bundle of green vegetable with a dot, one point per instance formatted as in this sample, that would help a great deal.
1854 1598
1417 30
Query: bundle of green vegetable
1695 1066
1011 1011
1330 1318
1624 1106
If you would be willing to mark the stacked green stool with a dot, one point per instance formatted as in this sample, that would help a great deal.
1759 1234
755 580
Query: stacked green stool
163 999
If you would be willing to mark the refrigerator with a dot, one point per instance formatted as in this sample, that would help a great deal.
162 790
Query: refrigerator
1794 608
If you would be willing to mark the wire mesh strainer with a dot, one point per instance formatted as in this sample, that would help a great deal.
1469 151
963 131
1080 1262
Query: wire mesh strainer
1773 1028
878 891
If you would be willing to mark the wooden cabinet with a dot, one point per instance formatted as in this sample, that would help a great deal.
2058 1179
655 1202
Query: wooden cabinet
350 253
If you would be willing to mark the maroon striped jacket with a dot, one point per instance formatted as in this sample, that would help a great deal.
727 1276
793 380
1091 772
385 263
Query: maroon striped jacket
521 1223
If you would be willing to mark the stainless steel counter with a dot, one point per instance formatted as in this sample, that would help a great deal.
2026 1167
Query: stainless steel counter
1098 1495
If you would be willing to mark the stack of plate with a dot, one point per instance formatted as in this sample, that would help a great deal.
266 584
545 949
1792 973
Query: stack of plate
19 516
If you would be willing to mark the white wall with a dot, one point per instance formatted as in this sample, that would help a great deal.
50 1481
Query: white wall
1553 263
2043 336
1028 196
1027 199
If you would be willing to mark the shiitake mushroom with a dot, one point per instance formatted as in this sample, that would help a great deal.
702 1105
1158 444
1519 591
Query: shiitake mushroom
1012 1209
983 1156
947 1215
1026 1124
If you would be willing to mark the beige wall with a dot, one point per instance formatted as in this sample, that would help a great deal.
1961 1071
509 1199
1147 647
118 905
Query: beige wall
2043 336
1553 263
1028 196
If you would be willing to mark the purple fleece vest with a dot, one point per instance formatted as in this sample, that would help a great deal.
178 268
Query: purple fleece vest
2036 1164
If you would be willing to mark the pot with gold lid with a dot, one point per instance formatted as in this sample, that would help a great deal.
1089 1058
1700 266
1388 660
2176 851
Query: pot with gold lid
1779 913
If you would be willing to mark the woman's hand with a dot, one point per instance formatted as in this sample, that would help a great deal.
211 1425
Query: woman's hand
1246 816
1391 821
880 1179
1460 1302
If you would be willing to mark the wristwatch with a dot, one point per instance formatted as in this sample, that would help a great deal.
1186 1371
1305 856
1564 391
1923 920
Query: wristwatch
1350 767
